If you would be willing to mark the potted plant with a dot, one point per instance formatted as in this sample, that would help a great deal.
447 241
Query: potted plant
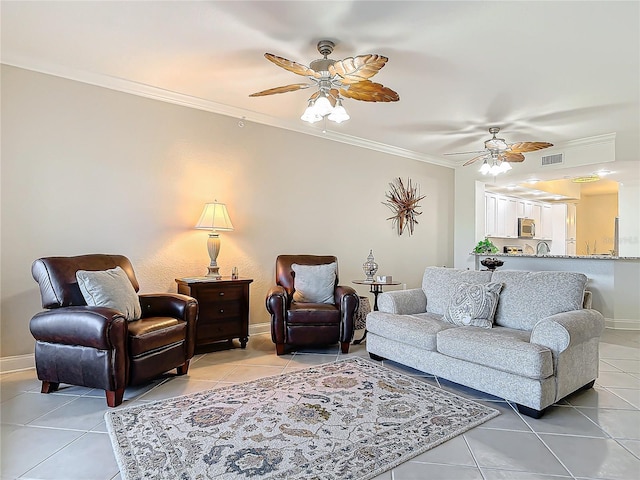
485 246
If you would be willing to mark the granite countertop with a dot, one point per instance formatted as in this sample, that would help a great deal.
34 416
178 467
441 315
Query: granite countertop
533 255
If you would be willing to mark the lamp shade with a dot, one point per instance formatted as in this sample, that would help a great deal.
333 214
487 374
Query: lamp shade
215 217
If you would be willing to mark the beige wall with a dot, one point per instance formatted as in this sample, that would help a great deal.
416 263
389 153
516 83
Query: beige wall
595 223
87 169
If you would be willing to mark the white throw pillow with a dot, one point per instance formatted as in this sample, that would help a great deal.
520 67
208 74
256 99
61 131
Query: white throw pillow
473 304
110 288
314 283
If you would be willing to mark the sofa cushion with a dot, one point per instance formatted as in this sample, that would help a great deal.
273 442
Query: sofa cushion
503 349
528 297
418 330
473 304
439 282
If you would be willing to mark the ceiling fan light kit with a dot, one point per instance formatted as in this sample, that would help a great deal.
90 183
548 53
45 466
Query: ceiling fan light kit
334 80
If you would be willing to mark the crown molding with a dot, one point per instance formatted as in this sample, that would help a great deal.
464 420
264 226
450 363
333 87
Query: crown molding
168 96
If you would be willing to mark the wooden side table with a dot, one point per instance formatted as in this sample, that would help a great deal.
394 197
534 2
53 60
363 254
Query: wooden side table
223 308
376 289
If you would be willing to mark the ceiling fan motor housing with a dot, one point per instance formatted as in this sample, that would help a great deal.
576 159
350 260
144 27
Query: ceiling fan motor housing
325 47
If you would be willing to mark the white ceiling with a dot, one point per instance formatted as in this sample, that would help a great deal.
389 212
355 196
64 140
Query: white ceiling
542 71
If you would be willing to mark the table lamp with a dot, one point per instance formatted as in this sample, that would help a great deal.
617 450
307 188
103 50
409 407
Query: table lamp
214 218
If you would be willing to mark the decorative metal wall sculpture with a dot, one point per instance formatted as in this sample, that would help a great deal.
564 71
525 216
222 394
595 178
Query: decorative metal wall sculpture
403 202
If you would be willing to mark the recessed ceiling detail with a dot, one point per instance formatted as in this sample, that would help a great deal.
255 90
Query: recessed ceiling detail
586 179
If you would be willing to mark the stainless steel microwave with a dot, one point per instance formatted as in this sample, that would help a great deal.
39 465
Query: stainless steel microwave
526 228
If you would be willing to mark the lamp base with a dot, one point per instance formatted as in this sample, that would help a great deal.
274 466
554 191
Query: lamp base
213 246
214 273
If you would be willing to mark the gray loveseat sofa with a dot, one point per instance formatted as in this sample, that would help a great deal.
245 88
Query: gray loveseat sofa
542 346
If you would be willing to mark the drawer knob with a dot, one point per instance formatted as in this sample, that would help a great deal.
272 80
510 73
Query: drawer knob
222 294
222 310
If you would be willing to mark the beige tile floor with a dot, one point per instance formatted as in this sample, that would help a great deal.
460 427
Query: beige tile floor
591 435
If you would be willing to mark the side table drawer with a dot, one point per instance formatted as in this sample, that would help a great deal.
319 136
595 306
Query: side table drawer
221 294
221 310
212 332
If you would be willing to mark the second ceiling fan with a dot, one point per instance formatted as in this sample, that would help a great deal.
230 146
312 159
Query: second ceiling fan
498 154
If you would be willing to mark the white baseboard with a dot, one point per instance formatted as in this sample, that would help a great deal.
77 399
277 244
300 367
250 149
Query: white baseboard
258 328
622 324
17 362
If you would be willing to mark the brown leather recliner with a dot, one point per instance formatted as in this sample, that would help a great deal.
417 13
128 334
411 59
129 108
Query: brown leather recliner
303 324
96 346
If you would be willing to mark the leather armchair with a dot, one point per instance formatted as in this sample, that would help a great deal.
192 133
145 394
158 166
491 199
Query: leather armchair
96 346
300 324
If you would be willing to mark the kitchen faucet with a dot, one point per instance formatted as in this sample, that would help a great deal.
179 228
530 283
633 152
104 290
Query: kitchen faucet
542 248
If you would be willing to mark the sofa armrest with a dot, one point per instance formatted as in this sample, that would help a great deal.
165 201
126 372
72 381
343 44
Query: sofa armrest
277 302
562 330
173 305
348 301
96 327
403 302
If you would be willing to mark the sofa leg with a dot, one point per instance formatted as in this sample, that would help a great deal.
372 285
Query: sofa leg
48 387
345 346
280 349
114 397
588 385
375 357
530 412
184 368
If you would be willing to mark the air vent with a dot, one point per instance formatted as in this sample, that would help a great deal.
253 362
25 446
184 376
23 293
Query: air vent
555 159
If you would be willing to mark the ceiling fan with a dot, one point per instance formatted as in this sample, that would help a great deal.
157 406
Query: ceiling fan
500 153
335 80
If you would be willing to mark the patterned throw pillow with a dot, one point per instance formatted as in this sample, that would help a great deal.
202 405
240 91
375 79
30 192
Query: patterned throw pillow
473 305
314 283
110 288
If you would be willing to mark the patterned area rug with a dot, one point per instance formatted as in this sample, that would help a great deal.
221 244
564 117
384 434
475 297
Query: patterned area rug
352 419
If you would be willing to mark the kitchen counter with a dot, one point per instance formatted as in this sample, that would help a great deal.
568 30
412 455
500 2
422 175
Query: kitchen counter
613 281
533 255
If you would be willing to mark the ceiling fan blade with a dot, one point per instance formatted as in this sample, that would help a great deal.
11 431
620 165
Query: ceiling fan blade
522 147
368 91
283 89
469 162
464 153
511 157
356 69
292 66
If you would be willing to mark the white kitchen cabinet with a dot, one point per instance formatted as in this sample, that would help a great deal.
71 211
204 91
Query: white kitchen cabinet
571 229
559 229
490 214
571 221
545 229
507 213
501 218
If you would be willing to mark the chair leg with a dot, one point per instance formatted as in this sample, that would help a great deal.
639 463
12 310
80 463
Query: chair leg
280 349
48 387
184 368
345 346
114 397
